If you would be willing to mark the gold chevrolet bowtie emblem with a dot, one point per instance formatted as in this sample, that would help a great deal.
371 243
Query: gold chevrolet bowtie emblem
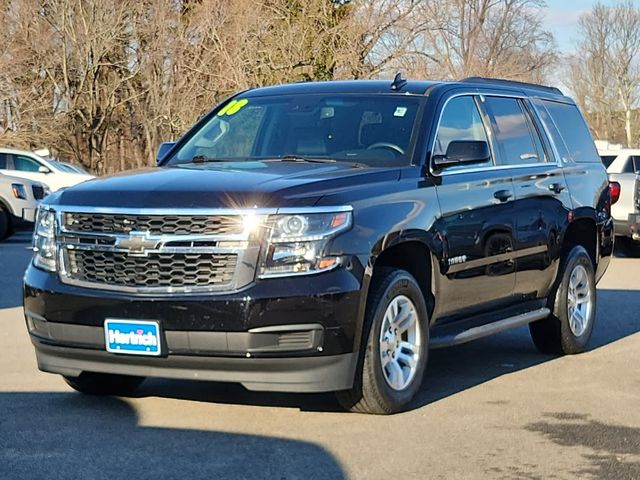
137 243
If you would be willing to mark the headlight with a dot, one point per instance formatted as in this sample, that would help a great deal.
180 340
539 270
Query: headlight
19 191
297 242
44 240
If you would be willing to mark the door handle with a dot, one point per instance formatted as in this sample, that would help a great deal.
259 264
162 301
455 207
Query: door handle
503 195
556 187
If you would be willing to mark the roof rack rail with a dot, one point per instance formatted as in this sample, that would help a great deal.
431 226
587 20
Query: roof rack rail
513 83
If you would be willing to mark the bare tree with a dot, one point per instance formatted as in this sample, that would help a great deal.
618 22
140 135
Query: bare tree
604 74
623 60
493 38
588 72
104 81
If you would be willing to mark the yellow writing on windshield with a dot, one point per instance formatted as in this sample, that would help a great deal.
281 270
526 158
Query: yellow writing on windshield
232 107
235 108
224 109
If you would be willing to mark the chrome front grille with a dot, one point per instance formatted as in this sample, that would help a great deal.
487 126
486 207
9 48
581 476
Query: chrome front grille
154 224
140 251
157 270
38 192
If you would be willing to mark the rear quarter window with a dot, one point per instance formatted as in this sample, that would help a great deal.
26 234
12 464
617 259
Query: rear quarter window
573 130
632 165
607 160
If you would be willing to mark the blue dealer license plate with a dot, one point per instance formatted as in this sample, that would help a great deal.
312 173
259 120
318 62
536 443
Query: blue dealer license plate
133 337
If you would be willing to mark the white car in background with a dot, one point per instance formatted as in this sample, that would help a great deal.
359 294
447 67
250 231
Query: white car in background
623 166
20 163
19 199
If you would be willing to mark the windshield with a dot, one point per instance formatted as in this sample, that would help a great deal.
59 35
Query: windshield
66 167
58 165
375 130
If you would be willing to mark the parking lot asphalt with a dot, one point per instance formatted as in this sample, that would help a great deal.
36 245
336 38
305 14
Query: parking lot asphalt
491 409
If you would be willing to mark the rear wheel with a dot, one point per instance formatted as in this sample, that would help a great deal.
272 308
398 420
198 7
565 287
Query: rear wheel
396 346
104 383
573 302
5 224
628 246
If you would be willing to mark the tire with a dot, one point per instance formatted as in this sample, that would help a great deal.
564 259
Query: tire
5 224
372 391
559 334
104 383
628 246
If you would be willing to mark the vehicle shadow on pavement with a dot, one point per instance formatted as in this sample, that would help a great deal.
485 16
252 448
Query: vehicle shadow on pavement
66 435
236 394
455 369
450 370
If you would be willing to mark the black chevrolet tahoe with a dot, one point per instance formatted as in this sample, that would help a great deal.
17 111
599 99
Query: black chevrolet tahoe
320 237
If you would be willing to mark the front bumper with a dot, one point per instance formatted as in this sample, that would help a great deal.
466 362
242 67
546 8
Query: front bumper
629 227
29 214
633 226
306 374
294 334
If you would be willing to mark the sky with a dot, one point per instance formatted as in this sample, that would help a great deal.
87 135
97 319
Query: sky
562 19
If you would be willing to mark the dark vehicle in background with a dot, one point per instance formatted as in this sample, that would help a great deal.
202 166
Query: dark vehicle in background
324 237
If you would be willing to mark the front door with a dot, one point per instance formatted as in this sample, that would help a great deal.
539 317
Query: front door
477 223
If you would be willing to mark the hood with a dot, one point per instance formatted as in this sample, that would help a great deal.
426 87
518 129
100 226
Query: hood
25 181
224 185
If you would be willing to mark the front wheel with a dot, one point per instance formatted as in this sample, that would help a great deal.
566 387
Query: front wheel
396 346
568 329
92 383
5 224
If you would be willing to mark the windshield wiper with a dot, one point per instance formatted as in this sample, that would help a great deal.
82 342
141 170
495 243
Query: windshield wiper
302 158
205 159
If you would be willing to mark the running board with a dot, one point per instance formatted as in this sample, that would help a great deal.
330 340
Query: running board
464 336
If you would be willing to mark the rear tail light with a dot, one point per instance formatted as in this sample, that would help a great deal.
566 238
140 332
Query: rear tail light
614 190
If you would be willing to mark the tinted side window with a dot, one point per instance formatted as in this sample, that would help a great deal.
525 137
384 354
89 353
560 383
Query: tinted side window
574 131
3 161
635 162
607 160
513 131
25 164
628 166
558 141
460 120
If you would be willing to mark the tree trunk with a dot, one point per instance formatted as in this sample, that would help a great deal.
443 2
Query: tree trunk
627 127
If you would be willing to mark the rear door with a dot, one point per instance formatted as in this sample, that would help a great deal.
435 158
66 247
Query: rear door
477 219
542 199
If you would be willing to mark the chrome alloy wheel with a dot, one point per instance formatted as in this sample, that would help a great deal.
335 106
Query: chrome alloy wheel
579 300
400 345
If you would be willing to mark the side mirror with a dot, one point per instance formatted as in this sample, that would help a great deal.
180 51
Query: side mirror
463 152
163 149
43 169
